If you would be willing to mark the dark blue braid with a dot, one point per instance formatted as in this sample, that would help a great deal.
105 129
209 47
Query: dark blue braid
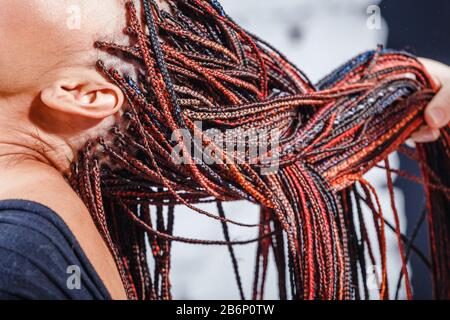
216 4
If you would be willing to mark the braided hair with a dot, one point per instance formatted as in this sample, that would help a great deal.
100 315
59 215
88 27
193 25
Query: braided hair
195 64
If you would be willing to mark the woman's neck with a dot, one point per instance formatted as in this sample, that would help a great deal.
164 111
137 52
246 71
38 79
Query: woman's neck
18 146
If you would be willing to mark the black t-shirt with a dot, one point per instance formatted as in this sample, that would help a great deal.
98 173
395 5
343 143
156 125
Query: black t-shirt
40 259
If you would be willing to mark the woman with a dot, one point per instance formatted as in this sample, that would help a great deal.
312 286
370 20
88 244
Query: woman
54 101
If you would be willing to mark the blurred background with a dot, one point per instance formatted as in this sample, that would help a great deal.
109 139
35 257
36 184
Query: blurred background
317 36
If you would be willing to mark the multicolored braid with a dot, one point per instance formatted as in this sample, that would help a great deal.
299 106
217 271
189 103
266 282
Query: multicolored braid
196 64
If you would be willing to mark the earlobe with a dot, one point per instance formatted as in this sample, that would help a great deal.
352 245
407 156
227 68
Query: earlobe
85 96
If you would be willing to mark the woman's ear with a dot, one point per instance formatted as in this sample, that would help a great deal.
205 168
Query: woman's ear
83 93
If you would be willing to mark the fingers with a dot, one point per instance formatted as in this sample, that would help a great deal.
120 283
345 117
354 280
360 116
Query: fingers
437 114
425 134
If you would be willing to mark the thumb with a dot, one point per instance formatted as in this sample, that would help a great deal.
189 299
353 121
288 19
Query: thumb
437 114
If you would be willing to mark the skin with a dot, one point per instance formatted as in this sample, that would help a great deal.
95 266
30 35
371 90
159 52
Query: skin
52 100
437 113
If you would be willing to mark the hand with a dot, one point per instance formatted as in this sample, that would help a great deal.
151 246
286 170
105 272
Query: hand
437 113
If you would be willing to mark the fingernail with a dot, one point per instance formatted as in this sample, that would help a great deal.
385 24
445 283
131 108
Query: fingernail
426 136
410 143
437 116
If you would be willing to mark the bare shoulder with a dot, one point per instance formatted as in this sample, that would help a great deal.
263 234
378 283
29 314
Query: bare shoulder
47 186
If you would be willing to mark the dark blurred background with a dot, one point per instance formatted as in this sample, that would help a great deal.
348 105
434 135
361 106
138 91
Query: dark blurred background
423 28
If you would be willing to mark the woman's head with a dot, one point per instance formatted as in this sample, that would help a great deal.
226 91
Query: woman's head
48 81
